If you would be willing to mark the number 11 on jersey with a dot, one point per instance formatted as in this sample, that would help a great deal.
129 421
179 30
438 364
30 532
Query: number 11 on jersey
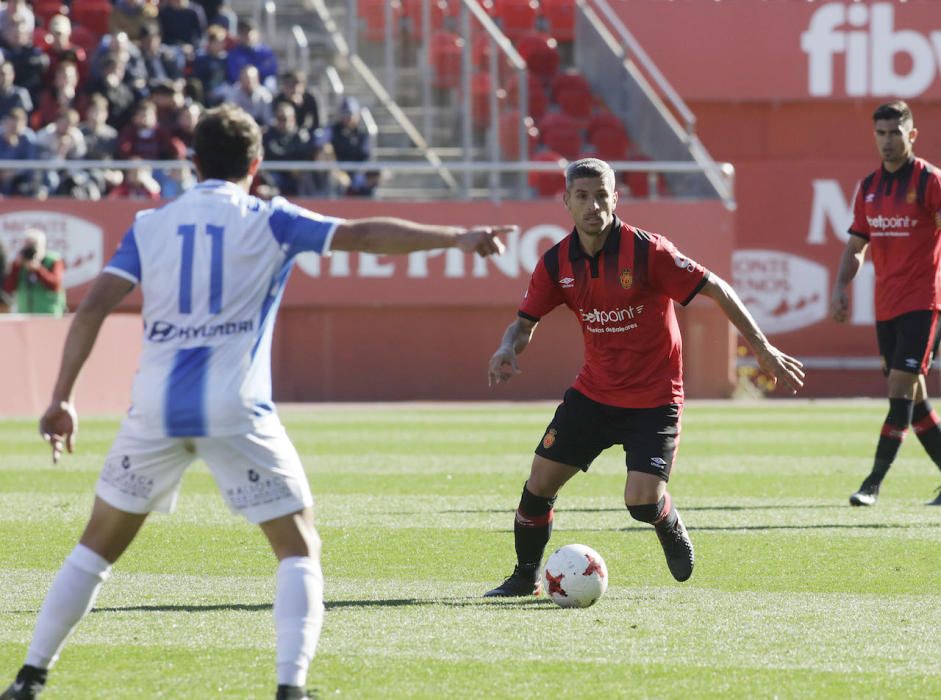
187 233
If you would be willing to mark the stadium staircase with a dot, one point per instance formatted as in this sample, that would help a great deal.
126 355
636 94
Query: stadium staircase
422 117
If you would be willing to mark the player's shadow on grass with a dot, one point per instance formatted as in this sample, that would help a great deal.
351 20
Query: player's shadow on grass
259 607
622 509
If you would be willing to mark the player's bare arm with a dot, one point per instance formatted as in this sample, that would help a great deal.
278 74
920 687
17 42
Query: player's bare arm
387 235
850 263
784 368
504 363
59 424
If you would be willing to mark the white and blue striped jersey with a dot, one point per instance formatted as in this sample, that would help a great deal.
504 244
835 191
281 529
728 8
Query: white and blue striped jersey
212 266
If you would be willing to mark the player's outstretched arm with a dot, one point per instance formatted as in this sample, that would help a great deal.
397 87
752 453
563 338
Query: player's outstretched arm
503 364
850 262
59 424
784 368
389 236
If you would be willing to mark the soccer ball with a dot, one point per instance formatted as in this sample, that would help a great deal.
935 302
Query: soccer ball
575 576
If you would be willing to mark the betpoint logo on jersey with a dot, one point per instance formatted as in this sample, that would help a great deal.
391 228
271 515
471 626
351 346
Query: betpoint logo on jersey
867 43
613 316
164 331
891 222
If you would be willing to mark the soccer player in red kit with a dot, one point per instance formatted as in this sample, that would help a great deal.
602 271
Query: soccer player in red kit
897 213
621 283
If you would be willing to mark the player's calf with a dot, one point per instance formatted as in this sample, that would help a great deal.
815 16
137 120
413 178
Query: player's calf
677 547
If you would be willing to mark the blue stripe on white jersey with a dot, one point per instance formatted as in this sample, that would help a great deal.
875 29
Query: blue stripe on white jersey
212 266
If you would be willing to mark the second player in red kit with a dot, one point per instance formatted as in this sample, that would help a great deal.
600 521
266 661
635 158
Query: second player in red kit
621 282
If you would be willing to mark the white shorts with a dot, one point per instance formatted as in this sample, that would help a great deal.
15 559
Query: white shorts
259 473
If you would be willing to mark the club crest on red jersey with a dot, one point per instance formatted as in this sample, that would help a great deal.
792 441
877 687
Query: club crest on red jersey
627 278
911 197
549 440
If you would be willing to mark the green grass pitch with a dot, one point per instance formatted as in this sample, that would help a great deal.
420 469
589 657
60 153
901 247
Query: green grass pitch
795 594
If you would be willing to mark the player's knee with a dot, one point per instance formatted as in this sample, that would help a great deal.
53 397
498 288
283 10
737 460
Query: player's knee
646 513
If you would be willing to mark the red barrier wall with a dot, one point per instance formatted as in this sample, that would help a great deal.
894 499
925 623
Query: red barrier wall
797 126
363 327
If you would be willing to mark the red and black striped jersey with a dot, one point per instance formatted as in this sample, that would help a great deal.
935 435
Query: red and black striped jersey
899 214
623 298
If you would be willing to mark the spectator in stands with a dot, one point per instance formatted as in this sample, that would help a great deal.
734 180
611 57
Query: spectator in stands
217 13
210 67
130 16
18 142
249 94
62 93
145 138
11 94
17 12
294 91
63 140
138 183
112 86
163 62
29 62
350 141
249 50
60 47
36 278
167 96
285 140
5 299
127 52
101 142
183 24
186 121
176 182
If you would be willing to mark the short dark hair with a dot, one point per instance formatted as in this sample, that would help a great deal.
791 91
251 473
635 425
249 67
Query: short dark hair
588 167
226 141
896 109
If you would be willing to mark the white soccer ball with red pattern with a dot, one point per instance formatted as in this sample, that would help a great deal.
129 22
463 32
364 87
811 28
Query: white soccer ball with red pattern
575 576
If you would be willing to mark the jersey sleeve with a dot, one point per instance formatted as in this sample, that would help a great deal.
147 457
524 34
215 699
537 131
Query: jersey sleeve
860 225
126 259
301 230
542 296
672 274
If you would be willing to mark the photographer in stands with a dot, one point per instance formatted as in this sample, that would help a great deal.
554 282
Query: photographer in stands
36 278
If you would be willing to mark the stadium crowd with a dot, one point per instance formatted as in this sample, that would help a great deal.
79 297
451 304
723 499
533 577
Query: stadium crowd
128 79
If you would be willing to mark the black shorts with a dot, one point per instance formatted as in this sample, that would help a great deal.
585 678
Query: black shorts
908 342
581 429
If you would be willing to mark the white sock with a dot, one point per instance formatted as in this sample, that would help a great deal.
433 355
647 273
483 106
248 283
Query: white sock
71 595
298 617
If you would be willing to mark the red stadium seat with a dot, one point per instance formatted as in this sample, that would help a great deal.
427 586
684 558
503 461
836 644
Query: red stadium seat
92 15
611 144
603 119
44 10
575 103
85 37
561 133
509 134
560 18
540 53
39 38
548 184
516 17
481 89
373 14
480 52
639 182
569 80
537 100
412 10
446 55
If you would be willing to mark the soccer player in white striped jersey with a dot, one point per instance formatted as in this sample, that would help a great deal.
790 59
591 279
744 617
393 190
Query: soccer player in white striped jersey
211 266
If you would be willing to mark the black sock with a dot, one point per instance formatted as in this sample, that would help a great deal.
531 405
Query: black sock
893 432
532 529
925 424
662 514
